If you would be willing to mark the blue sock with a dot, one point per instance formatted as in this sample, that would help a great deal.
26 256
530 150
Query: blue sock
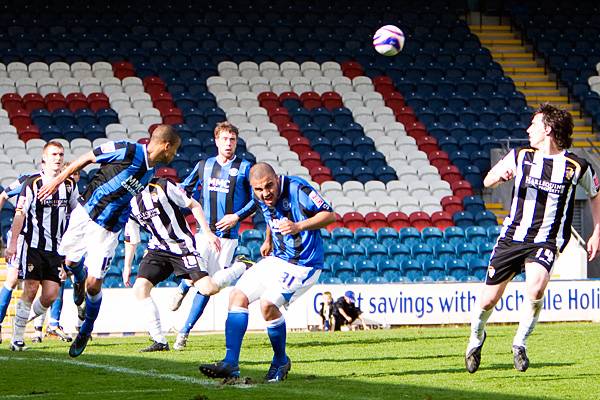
56 307
277 336
5 296
198 305
184 286
79 273
235 328
92 308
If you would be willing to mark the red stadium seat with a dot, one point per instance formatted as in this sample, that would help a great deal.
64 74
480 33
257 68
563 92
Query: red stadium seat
310 159
76 101
33 101
279 116
450 174
154 85
288 95
441 219
29 132
439 159
300 144
461 189
353 220
310 100
98 101
123 69
451 204
376 220
162 101
320 174
268 100
167 172
352 69
331 100
172 116
394 100
11 101
20 119
54 101
419 220
428 144
289 131
398 220
145 140
246 224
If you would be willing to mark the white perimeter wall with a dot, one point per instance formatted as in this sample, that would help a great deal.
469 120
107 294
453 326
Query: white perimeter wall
390 304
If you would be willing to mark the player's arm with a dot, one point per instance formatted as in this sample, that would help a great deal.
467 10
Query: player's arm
3 198
594 241
132 239
77 165
23 202
503 171
319 212
267 247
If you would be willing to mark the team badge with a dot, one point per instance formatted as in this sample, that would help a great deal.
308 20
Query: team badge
569 172
233 172
154 196
491 271
285 204
29 267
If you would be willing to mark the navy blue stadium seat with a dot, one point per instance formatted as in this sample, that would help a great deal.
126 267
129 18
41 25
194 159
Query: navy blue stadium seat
463 219
476 234
485 219
493 231
354 252
457 268
466 251
444 251
478 268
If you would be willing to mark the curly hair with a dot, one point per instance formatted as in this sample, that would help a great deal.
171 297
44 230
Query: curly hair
560 122
225 126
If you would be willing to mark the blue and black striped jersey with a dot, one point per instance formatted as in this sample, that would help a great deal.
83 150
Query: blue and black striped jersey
15 186
222 189
297 201
124 173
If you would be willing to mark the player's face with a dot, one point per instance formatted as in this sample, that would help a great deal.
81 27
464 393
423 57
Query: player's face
168 152
226 143
266 189
537 131
54 158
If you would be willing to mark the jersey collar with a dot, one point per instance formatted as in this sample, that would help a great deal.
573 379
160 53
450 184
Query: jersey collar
228 161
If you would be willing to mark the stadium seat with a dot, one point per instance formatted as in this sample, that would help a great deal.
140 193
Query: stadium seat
454 235
409 236
463 219
476 234
485 219
411 269
457 268
342 236
432 235
364 234
354 252
387 236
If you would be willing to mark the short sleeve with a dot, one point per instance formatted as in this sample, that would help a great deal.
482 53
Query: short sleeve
110 151
132 231
178 195
311 200
589 181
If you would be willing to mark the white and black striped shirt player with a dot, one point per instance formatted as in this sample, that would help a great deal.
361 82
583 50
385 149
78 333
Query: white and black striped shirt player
158 210
544 195
46 221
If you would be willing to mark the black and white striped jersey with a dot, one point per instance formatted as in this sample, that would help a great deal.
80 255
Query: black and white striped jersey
46 221
544 194
158 209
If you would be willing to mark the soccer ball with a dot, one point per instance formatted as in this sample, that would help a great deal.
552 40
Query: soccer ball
388 40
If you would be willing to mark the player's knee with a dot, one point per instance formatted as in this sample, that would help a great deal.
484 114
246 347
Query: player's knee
269 310
142 288
93 285
206 286
237 298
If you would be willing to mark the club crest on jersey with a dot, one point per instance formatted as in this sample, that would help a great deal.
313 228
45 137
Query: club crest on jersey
285 204
29 267
491 271
569 172
234 172
154 196
218 185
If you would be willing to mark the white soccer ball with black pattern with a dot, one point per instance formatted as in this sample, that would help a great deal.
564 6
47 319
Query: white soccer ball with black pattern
388 40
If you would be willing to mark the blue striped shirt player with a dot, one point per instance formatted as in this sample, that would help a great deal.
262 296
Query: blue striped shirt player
293 258
126 169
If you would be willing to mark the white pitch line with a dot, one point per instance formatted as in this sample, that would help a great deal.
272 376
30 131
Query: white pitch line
125 370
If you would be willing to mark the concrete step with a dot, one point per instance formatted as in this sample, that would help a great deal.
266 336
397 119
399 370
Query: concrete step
540 92
539 84
524 70
488 28
530 76
518 63
500 42
583 144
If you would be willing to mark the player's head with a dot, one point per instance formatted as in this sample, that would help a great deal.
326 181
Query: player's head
163 145
327 295
75 175
226 137
265 183
554 123
53 157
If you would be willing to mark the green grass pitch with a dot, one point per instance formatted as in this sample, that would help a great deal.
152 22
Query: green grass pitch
403 363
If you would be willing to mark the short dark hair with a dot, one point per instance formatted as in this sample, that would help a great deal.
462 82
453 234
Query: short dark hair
226 126
166 133
560 122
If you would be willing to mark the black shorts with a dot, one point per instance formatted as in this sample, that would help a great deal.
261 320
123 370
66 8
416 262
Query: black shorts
156 266
42 265
509 258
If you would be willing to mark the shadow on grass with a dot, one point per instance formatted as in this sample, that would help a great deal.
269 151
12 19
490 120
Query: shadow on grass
172 375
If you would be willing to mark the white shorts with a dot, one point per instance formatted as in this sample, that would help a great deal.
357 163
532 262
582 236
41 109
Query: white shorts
216 261
15 262
277 281
85 238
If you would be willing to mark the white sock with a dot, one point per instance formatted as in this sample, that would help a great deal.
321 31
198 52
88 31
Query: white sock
152 320
225 277
478 322
38 310
38 322
530 316
20 320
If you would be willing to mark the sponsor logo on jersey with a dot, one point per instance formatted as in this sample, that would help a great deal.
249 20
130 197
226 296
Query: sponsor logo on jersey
55 203
107 147
543 185
316 199
218 185
29 267
234 172
132 185
275 223
149 214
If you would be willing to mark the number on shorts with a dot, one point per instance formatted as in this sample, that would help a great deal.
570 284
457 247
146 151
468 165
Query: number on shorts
287 279
545 255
